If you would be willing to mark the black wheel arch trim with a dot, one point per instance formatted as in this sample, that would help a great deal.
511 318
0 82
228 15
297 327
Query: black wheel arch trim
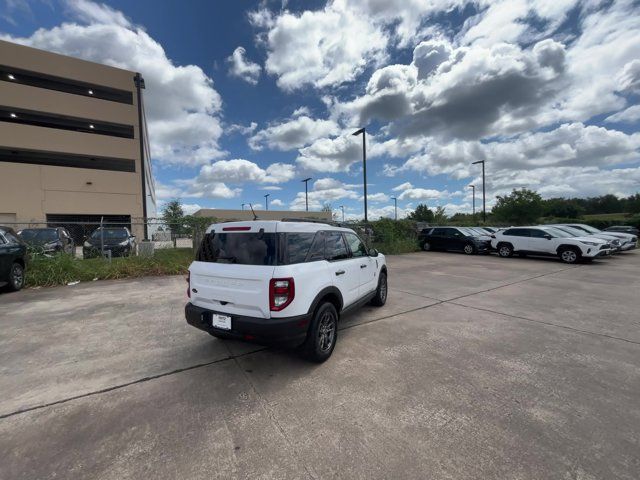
326 292
575 248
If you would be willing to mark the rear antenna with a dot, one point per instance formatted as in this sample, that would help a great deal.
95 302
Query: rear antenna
255 217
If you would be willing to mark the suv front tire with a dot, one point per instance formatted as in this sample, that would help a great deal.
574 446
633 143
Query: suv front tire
381 293
569 255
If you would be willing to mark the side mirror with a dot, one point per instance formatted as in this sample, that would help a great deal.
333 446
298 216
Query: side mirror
373 252
547 236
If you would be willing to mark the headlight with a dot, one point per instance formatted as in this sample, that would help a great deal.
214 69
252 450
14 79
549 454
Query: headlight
87 244
593 244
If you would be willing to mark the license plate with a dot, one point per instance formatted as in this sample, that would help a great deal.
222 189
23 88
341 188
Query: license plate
221 321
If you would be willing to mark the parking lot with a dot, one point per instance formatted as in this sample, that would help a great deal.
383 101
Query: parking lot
477 367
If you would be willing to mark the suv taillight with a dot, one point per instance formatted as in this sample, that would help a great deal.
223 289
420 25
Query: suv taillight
188 279
281 293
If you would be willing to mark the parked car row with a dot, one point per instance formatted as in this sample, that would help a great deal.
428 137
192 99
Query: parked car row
569 242
52 240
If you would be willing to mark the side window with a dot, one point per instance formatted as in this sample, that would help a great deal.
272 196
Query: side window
535 233
298 245
316 252
335 247
358 248
438 232
517 232
455 233
2 240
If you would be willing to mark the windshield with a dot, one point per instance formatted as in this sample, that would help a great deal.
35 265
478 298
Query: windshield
590 229
556 232
110 234
576 232
241 248
39 235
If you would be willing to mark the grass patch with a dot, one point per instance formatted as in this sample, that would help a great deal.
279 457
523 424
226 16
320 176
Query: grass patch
396 246
62 269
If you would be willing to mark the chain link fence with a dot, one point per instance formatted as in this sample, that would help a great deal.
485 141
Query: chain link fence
106 236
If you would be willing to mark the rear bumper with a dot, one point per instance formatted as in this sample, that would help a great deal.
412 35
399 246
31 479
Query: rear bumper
290 331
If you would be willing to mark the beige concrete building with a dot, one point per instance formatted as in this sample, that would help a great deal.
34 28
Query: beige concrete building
71 146
236 215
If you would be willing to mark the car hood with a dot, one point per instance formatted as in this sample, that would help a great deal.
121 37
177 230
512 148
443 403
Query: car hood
107 241
622 236
591 239
482 238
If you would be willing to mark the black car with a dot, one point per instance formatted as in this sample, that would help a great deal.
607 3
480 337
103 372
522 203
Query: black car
454 238
13 259
48 240
117 240
623 229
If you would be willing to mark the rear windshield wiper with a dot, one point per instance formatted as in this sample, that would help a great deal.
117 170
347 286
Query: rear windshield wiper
228 259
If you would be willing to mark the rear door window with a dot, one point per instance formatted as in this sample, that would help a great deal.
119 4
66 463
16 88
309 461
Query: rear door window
255 248
335 247
297 246
517 232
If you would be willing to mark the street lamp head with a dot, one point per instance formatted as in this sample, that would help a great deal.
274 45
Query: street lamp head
306 179
479 161
358 132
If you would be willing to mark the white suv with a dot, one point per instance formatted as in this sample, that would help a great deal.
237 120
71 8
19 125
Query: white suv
548 241
282 282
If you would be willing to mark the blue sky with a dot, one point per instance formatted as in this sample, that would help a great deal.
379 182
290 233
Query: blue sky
248 98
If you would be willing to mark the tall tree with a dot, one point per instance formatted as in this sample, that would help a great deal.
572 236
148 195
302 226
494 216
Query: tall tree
520 207
440 216
173 216
422 213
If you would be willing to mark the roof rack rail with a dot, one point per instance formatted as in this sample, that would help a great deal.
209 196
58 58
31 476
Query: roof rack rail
308 220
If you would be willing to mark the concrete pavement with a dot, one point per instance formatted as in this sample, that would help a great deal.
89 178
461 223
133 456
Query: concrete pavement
478 367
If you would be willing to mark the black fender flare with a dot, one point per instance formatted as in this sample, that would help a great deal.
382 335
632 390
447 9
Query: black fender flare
331 291
565 246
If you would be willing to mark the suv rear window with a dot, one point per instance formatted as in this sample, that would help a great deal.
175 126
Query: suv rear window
255 248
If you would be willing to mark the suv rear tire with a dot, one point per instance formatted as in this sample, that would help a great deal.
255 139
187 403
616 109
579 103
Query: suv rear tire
426 246
505 250
322 335
381 293
569 255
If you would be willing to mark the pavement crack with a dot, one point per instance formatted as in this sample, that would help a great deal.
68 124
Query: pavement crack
272 416
127 384
543 322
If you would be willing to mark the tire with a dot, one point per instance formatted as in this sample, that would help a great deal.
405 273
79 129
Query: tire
569 255
16 277
322 335
505 250
381 292
469 249
426 246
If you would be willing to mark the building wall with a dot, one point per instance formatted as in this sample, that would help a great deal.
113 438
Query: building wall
233 215
30 192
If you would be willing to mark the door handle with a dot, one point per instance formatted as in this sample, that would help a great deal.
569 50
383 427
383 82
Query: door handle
363 266
340 272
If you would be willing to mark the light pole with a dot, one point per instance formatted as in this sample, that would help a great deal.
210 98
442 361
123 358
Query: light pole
474 201
266 201
364 165
395 207
484 198
342 208
306 193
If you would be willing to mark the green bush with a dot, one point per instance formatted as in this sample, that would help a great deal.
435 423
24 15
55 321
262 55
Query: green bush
391 236
62 269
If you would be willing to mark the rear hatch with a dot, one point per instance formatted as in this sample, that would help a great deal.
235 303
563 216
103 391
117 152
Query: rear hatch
233 268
